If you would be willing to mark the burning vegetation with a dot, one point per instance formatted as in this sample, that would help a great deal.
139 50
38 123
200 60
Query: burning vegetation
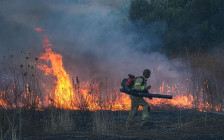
43 94
69 93
51 89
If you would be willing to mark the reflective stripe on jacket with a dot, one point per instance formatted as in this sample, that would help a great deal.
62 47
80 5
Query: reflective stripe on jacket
139 85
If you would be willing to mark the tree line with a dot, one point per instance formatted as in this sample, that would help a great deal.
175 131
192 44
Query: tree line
192 25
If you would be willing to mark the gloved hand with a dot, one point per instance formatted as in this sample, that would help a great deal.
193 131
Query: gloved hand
149 87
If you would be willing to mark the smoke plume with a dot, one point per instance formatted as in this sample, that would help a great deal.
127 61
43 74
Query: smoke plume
95 38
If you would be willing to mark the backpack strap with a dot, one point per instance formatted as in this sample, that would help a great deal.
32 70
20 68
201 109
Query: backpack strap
143 80
139 84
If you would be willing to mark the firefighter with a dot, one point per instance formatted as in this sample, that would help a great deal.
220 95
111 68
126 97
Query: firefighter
139 86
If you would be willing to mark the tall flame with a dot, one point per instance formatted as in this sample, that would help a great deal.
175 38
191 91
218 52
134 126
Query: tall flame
64 94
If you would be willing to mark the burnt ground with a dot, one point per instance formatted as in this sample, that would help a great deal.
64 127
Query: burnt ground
53 124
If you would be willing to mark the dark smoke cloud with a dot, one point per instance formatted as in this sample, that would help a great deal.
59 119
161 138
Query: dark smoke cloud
95 38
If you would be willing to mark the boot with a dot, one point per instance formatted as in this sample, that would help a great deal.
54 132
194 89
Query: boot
131 124
146 122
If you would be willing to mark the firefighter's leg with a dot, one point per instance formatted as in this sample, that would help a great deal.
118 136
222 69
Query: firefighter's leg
133 111
146 109
145 114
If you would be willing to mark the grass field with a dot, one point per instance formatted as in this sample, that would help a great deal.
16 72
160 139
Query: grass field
61 124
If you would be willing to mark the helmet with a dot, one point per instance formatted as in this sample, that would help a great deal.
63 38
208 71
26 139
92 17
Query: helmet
146 73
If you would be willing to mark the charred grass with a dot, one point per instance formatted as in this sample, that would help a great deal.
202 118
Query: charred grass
56 123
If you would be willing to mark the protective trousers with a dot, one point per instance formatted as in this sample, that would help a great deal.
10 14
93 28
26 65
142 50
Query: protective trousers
135 102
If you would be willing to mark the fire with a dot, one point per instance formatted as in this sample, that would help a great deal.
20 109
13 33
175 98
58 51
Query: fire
64 94
71 94
3 104
180 101
9 98
74 97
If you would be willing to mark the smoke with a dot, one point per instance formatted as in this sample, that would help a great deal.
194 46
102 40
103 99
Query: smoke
95 38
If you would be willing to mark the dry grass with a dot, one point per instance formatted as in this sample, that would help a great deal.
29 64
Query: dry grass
207 74
60 121
102 123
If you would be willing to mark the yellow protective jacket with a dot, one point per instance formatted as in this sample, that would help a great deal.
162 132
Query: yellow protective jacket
140 84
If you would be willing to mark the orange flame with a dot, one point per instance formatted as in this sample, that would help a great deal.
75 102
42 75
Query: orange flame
63 95
3 104
86 96
67 97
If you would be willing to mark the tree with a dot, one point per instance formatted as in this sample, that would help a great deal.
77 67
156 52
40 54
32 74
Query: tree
195 24
139 10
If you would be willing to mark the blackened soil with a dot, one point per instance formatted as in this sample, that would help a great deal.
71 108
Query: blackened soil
54 124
